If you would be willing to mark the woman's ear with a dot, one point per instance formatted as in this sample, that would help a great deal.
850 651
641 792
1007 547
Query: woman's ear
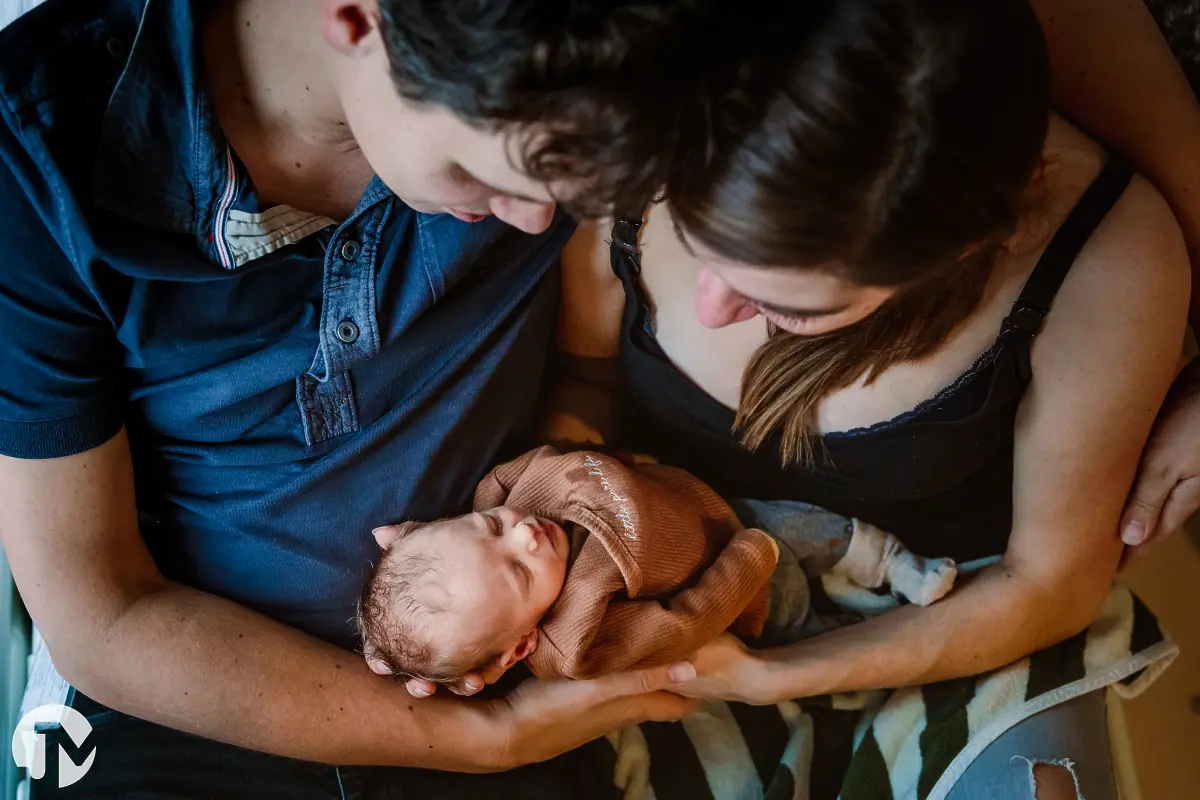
520 650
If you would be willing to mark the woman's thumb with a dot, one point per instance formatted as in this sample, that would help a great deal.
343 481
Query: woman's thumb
644 681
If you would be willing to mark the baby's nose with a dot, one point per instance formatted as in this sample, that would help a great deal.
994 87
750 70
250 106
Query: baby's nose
527 530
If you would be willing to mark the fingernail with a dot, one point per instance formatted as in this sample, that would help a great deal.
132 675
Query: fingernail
1134 533
473 684
682 673
419 691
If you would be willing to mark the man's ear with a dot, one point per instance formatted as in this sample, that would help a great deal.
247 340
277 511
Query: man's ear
386 535
520 650
346 24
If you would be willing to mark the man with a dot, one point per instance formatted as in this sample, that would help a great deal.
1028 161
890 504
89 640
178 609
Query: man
259 291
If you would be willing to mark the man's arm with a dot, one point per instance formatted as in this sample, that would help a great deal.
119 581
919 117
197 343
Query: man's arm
131 639
1115 76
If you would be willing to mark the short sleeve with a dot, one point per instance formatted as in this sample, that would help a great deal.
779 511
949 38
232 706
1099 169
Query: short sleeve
60 371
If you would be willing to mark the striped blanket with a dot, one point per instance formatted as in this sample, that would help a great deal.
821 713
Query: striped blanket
907 744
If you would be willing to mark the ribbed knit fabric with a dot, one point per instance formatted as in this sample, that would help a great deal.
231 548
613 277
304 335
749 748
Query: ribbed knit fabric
666 566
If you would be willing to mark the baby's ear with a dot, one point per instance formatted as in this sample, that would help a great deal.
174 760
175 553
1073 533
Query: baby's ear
520 650
386 535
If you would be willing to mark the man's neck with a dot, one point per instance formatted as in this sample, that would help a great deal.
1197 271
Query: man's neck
275 95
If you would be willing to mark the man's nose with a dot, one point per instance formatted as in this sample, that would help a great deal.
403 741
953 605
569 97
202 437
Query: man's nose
717 304
524 215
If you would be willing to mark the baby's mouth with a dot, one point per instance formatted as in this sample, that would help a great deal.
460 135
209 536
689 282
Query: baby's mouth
554 535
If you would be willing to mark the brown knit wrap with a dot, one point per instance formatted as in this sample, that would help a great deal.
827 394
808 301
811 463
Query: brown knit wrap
666 566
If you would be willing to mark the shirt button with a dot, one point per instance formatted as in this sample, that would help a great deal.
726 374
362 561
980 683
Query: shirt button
350 250
347 331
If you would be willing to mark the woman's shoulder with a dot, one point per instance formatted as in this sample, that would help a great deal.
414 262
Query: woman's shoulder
1135 261
1128 288
1136 253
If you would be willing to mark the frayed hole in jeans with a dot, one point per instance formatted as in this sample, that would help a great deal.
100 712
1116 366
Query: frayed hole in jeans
1056 778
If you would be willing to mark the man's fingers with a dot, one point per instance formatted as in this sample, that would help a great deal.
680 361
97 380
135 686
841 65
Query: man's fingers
1182 502
666 707
1140 518
419 687
644 681
467 685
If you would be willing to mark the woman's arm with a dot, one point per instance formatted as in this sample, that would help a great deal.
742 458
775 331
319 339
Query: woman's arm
1102 365
582 400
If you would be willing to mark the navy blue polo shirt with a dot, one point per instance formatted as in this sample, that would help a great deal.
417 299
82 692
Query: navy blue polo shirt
288 383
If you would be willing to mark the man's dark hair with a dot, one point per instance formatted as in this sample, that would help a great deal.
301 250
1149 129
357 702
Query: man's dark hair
618 87
1179 21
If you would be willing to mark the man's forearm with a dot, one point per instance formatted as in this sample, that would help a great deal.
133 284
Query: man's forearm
985 624
1115 76
202 664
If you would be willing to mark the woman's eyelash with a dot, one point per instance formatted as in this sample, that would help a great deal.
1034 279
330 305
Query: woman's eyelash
801 318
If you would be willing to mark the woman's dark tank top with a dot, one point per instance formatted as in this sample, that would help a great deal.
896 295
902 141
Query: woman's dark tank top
938 476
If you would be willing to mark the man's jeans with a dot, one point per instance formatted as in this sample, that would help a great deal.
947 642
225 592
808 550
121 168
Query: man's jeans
139 760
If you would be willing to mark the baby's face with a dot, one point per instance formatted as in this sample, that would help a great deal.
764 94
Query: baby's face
502 570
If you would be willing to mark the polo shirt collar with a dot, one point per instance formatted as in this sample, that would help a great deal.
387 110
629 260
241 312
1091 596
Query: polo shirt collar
161 159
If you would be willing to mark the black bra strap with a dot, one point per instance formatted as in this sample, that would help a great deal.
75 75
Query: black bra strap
1051 270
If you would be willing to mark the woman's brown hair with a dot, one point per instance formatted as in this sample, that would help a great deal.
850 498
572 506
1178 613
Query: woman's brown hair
897 154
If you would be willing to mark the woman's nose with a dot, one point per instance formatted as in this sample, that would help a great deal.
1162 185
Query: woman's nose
717 304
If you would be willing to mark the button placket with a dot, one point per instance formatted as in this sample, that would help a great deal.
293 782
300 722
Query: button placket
326 394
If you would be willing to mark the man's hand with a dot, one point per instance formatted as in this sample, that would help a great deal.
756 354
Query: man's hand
543 718
1167 489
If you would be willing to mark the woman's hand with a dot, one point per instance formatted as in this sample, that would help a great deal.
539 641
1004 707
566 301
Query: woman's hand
543 718
728 670
1167 490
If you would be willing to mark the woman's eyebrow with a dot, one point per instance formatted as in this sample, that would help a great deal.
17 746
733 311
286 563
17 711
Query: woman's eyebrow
682 239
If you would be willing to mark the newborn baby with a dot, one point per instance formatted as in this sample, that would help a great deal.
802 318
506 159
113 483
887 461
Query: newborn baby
582 564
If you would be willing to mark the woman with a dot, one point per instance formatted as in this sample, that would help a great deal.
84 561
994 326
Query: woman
870 268
1029 451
